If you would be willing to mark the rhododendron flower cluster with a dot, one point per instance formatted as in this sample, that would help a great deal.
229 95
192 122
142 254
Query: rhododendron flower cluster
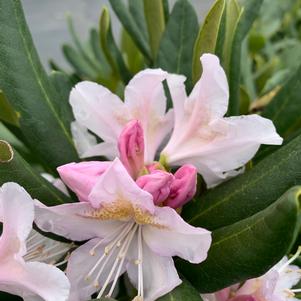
125 215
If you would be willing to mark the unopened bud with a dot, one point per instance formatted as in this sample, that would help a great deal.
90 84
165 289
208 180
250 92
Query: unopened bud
131 148
81 177
183 187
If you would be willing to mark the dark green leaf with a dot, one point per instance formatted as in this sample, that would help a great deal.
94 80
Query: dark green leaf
19 171
248 13
249 193
183 292
8 297
232 14
285 108
82 50
136 9
7 113
178 39
79 64
248 248
61 82
110 48
207 37
26 86
131 27
154 15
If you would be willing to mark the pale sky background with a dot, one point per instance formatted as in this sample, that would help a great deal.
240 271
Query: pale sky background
47 21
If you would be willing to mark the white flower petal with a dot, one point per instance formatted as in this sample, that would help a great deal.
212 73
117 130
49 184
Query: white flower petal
81 263
73 221
146 100
211 92
115 185
34 278
175 237
16 213
94 106
159 274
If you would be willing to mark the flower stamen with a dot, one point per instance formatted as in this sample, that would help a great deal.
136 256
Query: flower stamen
292 259
120 257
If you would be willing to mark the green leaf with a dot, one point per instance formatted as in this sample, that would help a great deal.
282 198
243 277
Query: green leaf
154 15
82 50
248 13
248 248
136 8
7 113
79 64
285 109
178 39
183 292
207 37
27 87
232 15
19 171
131 27
133 56
8 297
110 48
249 193
8 136
63 85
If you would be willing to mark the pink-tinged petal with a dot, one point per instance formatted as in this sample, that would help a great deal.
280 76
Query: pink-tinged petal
158 184
33 279
244 298
175 237
94 106
145 91
232 143
74 221
16 213
81 177
223 295
131 148
159 274
211 92
145 98
80 265
87 145
183 187
178 95
117 185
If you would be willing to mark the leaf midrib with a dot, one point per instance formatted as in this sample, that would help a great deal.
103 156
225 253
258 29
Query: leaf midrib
44 93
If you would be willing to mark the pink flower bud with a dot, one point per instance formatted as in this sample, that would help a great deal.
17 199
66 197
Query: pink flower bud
81 177
157 184
131 148
183 187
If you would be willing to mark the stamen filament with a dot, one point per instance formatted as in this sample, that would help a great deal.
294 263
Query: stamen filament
293 258
120 256
140 270
39 243
108 253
